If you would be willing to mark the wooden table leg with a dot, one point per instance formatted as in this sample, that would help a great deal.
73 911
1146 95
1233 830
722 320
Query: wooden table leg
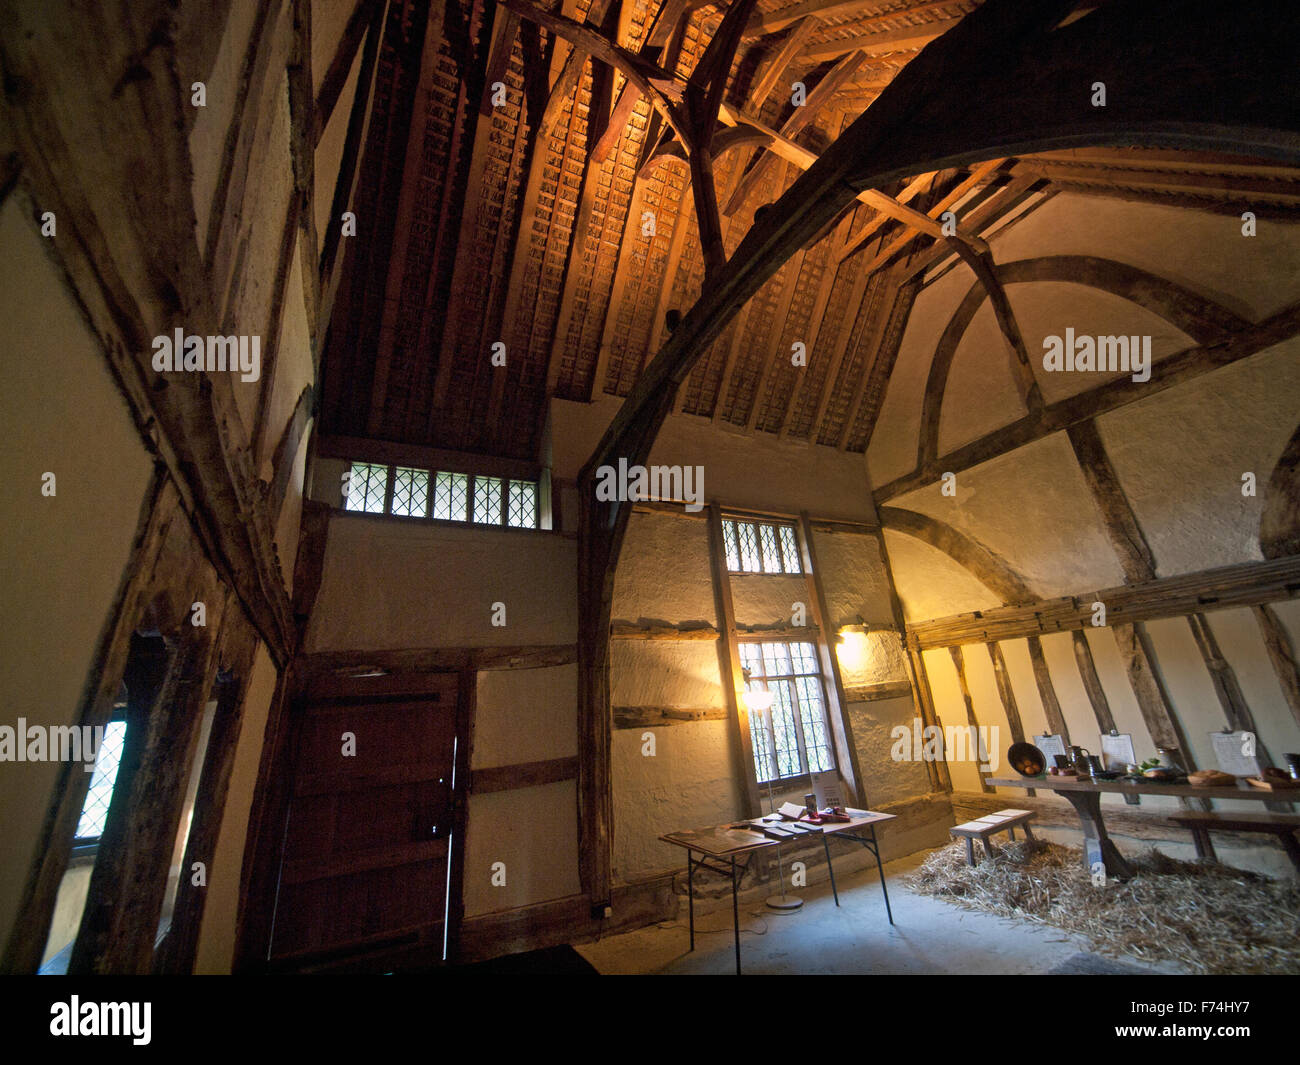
1204 846
1292 848
1097 845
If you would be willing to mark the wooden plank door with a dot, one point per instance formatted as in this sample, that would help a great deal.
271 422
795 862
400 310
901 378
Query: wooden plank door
371 815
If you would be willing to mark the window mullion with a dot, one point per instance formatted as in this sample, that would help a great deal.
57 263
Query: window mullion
800 740
388 489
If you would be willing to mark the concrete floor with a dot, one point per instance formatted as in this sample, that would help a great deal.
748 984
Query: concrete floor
928 937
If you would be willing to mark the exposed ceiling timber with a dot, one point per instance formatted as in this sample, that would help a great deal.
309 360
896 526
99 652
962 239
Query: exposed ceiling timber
532 219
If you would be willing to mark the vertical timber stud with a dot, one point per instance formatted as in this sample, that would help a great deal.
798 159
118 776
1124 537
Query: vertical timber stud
1092 682
1157 710
733 683
129 881
595 591
940 777
1007 695
1231 698
1047 691
959 663
922 696
841 729
1282 654
178 950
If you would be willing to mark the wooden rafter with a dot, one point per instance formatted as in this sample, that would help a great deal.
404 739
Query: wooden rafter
799 119
410 188
830 273
1122 527
977 220
987 567
783 147
908 38
869 393
779 63
761 25
650 79
878 218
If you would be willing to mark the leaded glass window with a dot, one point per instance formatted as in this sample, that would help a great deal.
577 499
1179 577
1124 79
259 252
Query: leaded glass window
366 488
94 811
523 505
410 492
791 738
487 500
451 496
760 546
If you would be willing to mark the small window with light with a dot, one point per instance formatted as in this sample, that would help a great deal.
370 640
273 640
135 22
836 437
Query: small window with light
760 546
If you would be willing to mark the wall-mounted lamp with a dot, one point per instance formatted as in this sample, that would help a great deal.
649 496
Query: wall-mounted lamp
852 649
756 702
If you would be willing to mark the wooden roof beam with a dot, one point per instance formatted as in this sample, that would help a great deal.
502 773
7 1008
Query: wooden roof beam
830 271
763 24
802 116
782 146
670 26
779 63
907 39
978 175
659 85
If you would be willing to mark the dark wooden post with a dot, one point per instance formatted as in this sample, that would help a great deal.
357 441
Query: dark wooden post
129 882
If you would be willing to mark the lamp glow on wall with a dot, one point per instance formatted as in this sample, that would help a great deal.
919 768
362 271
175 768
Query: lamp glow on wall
852 650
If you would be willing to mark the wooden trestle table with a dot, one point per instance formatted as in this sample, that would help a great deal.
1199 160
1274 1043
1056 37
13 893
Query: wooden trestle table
1084 794
725 844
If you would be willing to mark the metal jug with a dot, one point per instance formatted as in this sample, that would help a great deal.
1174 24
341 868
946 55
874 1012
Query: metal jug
1079 758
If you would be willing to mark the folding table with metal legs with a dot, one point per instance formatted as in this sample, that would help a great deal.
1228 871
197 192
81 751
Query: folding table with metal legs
870 842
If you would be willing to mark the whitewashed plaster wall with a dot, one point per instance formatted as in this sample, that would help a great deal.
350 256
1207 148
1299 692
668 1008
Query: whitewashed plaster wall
1179 455
523 715
61 556
695 777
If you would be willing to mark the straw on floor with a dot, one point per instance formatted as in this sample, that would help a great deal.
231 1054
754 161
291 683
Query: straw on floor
1206 916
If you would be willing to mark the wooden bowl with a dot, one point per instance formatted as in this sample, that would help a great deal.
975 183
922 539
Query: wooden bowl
1026 759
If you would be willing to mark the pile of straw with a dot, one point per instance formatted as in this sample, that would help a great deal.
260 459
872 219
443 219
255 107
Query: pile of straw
1205 916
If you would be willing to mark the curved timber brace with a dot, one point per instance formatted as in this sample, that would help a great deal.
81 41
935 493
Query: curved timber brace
1009 79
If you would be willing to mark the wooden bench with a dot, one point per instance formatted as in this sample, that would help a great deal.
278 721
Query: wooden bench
1283 826
983 827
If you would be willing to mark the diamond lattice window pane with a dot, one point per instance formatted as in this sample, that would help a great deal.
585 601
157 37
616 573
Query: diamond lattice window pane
748 548
771 554
487 500
762 746
729 545
751 658
523 505
783 729
451 496
776 660
814 724
94 812
804 656
366 488
789 549
410 492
